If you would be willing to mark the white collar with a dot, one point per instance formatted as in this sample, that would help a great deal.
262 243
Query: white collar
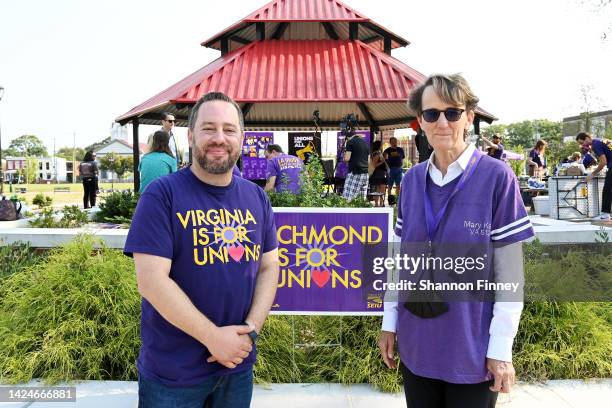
454 170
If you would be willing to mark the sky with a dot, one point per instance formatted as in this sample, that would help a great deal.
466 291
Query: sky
70 67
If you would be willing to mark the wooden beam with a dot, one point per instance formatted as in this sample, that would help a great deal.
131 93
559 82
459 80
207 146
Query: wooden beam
371 39
331 32
240 40
224 45
353 30
366 113
477 125
387 44
228 34
246 109
384 33
156 116
260 29
136 153
280 30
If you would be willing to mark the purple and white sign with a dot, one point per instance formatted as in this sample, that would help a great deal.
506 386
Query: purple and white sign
321 265
254 161
342 168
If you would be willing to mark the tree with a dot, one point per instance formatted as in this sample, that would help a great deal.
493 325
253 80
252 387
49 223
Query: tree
28 145
28 173
120 165
66 153
527 132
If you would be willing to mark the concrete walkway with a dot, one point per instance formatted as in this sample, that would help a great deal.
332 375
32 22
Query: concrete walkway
552 394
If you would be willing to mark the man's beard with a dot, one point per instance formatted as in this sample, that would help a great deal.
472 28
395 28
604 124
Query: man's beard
216 166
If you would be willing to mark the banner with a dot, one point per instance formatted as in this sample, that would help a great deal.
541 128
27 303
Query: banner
303 145
342 167
254 161
321 267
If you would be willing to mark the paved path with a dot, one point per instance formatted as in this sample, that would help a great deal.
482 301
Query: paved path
553 394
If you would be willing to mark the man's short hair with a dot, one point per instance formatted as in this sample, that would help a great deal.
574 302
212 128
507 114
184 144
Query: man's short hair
274 148
165 115
214 96
581 137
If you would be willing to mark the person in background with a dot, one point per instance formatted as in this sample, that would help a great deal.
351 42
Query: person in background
158 162
356 155
587 159
168 122
378 179
395 158
602 149
536 160
574 166
88 169
458 353
495 148
283 171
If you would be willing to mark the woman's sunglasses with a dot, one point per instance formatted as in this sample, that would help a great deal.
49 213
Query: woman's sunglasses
451 114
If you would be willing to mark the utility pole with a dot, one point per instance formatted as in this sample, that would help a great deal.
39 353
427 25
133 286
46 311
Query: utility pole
73 157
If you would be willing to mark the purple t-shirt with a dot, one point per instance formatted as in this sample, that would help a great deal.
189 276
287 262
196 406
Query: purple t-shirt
489 209
215 237
497 154
236 171
535 156
603 146
287 170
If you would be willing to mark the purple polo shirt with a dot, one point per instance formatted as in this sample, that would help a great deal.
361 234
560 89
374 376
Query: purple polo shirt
287 170
453 346
603 146
215 237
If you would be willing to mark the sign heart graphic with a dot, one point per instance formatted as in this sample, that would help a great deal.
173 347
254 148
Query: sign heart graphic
236 252
320 277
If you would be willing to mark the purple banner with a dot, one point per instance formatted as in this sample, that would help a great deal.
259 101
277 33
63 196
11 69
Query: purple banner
342 168
321 267
254 161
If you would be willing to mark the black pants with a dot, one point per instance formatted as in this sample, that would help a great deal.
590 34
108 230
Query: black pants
424 392
89 195
606 199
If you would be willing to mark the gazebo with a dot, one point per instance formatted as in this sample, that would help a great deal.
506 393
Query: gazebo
290 58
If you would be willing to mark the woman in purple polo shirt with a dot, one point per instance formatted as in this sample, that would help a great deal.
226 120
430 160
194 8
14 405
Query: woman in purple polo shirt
457 353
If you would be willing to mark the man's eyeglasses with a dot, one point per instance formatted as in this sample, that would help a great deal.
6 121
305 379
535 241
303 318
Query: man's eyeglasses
451 114
169 120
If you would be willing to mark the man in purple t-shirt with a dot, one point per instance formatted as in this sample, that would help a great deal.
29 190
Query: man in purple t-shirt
283 172
205 249
602 149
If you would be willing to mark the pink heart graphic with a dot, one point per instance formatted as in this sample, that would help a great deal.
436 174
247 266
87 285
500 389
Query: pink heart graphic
236 252
320 277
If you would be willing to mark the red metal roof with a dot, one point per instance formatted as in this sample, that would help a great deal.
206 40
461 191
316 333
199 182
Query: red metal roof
294 11
305 10
295 71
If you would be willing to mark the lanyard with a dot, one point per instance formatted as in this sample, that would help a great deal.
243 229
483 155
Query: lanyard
433 220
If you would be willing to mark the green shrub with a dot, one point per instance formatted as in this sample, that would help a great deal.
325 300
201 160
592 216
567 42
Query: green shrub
313 192
16 257
72 217
118 207
42 200
74 317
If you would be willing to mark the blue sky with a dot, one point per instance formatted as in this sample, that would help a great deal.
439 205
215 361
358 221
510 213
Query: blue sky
72 66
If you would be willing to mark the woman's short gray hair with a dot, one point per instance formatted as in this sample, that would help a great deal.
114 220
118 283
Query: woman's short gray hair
452 89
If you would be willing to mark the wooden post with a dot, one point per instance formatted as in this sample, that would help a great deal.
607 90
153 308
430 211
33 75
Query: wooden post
353 30
387 41
477 125
260 28
224 46
136 154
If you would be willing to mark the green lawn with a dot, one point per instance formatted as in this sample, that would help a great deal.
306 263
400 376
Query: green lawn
60 199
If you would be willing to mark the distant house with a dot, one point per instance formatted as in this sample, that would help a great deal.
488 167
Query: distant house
12 165
598 123
119 147
51 169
